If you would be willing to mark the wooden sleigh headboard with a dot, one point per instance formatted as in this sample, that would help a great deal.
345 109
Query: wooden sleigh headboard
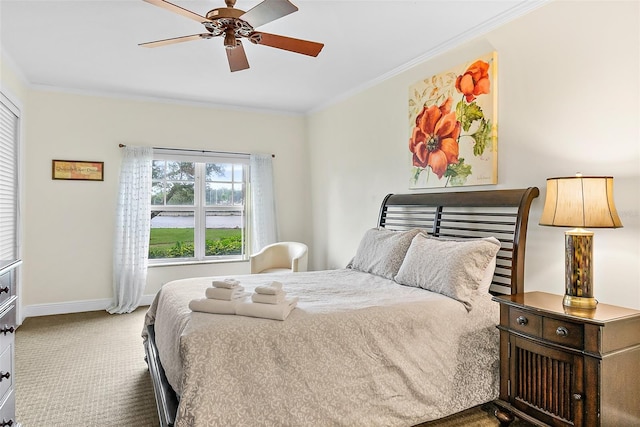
503 214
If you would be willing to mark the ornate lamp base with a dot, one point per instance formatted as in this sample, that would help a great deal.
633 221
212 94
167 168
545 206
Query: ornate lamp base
579 302
578 245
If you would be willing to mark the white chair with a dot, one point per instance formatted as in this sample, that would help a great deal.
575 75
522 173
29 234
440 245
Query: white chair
280 257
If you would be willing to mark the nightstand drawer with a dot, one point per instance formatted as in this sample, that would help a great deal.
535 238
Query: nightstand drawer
525 322
563 332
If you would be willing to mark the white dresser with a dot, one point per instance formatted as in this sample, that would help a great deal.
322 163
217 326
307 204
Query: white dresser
8 272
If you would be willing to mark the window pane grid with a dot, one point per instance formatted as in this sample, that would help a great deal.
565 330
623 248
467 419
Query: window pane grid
225 184
172 234
198 210
173 183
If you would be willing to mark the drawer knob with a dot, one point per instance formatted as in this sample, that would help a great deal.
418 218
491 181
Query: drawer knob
4 375
521 320
5 289
4 330
562 331
6 423
577 396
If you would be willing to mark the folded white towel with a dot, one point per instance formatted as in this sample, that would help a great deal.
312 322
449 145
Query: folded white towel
208 305
269 299
270 289
226 283
225 294
267 311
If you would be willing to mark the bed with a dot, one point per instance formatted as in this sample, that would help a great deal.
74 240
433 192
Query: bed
393 339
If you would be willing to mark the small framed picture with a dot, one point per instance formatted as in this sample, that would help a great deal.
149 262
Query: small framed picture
77 170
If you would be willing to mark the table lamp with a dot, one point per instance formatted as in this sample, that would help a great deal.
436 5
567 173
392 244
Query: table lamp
579 201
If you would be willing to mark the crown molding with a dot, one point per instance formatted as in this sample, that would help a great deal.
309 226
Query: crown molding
515 12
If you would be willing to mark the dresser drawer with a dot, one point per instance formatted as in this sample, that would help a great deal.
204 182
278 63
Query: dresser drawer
525 322
8 411
6 371
7 327
563 332
6 286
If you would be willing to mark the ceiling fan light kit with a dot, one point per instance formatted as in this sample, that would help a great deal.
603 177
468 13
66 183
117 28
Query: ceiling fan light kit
234 24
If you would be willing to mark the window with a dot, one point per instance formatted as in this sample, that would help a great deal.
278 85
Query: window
198 207
8 180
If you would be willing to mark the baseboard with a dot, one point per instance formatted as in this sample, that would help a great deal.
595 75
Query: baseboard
73 307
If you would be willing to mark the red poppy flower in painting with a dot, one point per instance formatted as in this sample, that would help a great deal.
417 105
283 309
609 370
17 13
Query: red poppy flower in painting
475 81
434 141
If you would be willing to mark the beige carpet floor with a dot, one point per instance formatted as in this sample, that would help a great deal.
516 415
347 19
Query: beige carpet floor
88 369
84 369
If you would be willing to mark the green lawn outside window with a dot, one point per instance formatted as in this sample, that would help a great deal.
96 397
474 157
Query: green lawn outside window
178 242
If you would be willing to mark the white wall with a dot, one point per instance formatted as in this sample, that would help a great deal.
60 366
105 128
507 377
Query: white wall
69 224
568 102
12 83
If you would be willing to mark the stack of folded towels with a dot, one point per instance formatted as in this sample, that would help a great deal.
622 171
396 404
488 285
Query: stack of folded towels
228 297
221 297
269 302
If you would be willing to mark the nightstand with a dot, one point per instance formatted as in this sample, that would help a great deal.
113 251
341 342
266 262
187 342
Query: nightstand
565 367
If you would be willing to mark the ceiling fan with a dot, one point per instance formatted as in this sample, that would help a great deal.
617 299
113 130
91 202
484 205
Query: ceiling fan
235 24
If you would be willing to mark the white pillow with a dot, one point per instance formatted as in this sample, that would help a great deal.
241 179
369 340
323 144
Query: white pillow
382 251
487 277
455 268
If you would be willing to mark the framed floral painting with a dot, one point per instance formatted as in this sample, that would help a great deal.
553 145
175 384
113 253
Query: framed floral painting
453 126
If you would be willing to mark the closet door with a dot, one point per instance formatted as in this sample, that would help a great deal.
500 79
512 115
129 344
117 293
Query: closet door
8 180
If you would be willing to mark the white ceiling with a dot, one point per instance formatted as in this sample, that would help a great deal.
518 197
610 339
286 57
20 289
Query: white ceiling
91 46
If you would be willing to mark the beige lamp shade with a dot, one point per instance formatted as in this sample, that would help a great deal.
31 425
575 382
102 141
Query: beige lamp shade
580 201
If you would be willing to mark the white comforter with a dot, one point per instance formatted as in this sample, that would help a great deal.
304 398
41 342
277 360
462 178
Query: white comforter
358 350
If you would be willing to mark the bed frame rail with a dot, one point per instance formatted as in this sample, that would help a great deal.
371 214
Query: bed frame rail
166 399
503 214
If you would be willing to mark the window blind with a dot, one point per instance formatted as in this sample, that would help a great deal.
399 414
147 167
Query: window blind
8 180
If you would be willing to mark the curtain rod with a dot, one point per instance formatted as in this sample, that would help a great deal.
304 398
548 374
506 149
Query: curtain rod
196 151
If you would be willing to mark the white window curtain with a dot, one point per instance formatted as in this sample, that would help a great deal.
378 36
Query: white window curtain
131 246
263 219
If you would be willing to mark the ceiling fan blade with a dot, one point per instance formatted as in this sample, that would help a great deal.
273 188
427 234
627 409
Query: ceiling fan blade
165 42
237 58
179 10
267 11
287 43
